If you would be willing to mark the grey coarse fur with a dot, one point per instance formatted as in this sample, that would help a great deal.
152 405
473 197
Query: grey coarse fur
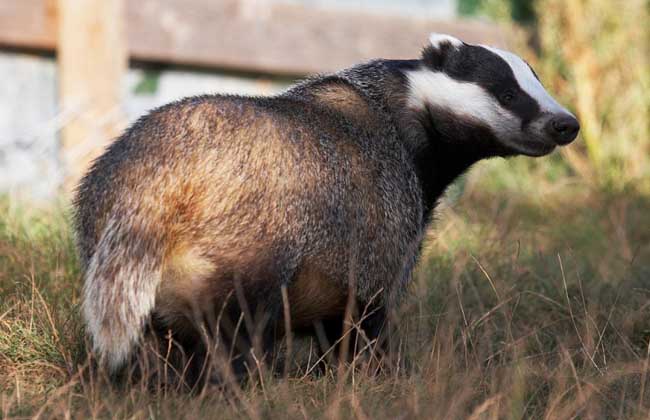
319 185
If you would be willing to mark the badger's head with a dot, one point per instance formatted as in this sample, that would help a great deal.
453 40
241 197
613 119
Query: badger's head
486 98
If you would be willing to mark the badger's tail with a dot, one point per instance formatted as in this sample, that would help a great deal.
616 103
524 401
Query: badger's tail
120 288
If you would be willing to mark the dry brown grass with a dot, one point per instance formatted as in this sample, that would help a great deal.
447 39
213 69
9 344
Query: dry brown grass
511 315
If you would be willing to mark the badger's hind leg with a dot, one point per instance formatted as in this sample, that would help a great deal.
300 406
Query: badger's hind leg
224 316
177 322
247 324
178 355
367 338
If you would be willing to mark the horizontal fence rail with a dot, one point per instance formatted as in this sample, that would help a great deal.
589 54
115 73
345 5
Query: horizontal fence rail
267 37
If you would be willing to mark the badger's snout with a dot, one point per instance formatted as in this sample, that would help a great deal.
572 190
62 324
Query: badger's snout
562 128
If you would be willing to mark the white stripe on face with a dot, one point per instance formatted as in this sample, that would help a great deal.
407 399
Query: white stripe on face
528 82
460 98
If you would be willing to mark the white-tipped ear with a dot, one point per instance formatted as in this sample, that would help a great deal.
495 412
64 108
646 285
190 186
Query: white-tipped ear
437 39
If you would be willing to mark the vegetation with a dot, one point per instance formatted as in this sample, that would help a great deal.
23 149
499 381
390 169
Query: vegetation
532 298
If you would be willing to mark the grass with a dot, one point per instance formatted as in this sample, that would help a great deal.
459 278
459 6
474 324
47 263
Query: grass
531 299
520 307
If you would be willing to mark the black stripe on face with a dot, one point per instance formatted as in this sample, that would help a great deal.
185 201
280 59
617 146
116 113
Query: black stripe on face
478 65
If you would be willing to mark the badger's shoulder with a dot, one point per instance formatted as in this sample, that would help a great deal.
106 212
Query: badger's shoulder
333 94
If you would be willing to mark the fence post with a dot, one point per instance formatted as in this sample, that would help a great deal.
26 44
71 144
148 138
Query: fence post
92 60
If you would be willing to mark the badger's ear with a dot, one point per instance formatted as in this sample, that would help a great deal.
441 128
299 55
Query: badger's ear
438 40
440 46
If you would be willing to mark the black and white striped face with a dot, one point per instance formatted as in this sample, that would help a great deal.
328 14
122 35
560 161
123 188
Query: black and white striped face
488 92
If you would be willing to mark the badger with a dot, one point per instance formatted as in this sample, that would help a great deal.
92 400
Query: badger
245 216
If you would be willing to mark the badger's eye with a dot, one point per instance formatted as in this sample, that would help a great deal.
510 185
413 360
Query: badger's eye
507 96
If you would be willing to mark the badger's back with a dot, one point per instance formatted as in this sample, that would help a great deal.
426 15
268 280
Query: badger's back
176 162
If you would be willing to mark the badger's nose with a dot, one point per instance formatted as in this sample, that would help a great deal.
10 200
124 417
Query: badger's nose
563 128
